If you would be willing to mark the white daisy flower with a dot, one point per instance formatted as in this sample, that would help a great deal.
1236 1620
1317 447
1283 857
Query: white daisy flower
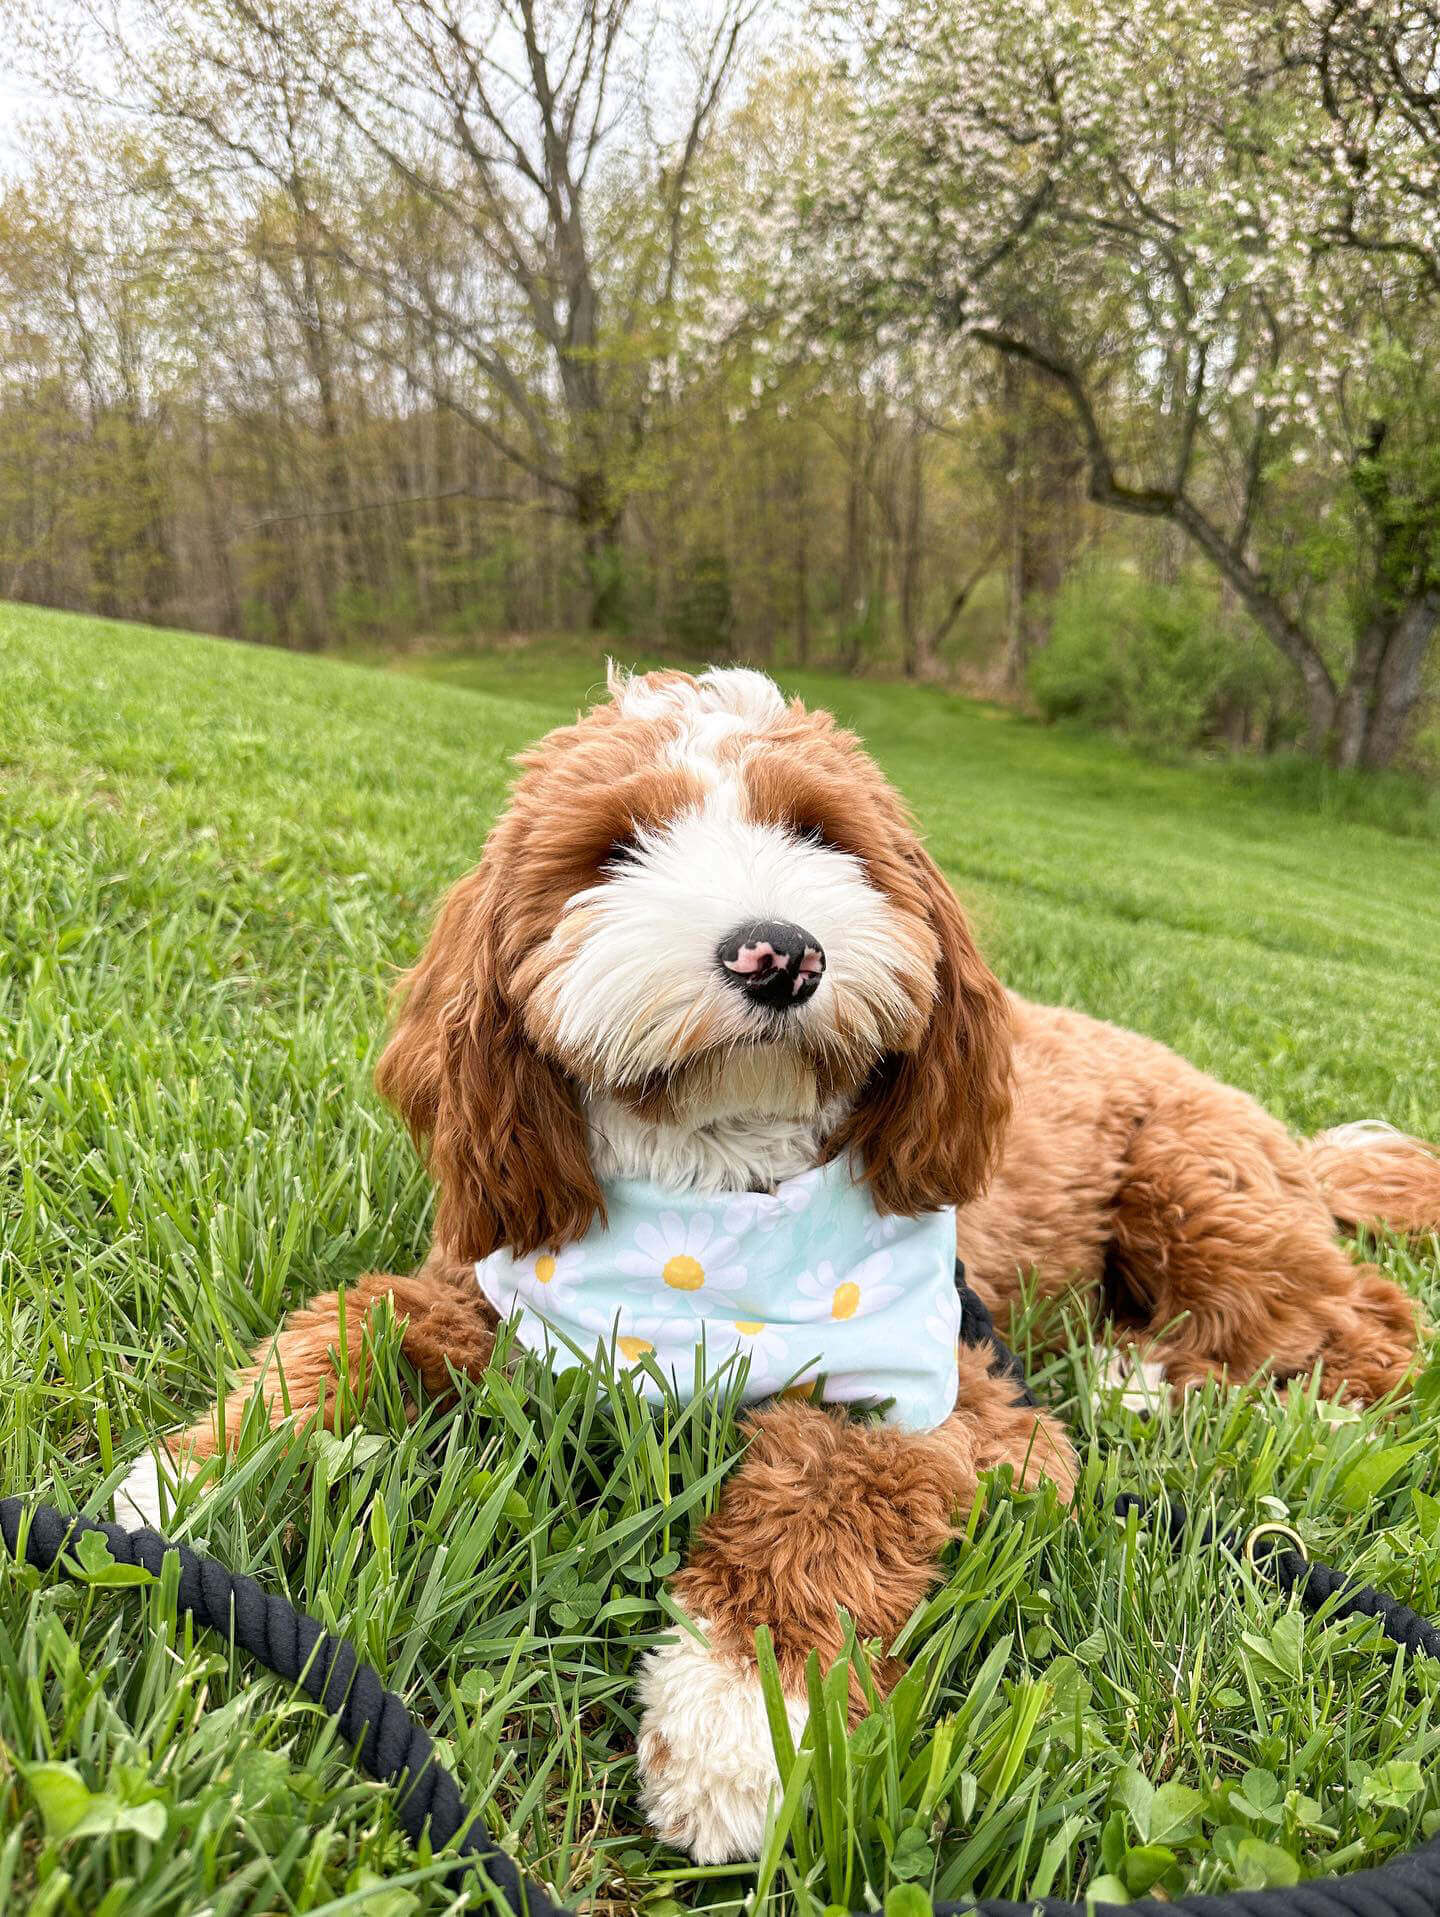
636 1336
767 1348
884 1229
818 1288
768 1211
543 1283
506 1295
683 1253
863 1291
550 1277
943 1324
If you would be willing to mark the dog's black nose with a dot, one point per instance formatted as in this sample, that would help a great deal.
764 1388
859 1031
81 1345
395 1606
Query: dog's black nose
772 962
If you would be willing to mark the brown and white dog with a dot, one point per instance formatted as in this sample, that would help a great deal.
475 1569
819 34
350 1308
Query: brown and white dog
705 947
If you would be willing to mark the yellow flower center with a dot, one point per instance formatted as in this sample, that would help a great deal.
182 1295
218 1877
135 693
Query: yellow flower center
683 1273
846 1301
749 1325
545 1268
634 1348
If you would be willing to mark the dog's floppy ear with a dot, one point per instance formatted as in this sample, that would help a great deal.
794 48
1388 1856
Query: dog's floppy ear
507 1144
930 1122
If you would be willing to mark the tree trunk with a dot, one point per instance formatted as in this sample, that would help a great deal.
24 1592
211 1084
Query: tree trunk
1384 686
1015 648
1043 468
1400 681
229 599
914 639
802 559
599 524
852 604
959 599
1227 554
1354 710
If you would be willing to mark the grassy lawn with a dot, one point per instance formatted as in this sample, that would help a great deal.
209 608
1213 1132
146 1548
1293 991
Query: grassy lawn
213 860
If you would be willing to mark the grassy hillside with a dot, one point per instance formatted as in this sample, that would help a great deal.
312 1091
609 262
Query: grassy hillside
212 861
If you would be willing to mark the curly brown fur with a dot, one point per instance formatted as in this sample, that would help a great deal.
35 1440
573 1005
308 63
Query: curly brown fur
930 1116
1089 1156
1186 1209
1375 1178
825 1515
445 1326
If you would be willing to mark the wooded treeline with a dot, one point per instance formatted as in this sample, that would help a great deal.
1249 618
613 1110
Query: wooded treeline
248 441
397 319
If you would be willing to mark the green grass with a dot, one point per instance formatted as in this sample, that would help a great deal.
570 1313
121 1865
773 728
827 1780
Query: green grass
213 861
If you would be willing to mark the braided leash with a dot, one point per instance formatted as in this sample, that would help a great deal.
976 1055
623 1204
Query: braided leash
1407 1886
1315 1584
392 1747
396 1750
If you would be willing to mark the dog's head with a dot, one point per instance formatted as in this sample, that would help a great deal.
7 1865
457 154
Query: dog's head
703 902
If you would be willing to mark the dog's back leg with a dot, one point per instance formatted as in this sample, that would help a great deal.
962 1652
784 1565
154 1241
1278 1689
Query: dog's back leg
1377 1177
1223 1235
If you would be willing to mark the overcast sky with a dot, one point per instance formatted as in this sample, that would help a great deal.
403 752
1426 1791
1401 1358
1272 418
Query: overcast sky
22 101
17 102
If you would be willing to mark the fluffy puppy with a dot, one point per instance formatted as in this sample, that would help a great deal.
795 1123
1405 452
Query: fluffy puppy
705 948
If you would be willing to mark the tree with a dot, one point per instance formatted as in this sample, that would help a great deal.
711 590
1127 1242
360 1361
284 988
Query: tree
83 355
1373 71
1142 202
529 130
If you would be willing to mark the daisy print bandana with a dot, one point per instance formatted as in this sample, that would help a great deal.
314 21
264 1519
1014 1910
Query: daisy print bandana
822 1295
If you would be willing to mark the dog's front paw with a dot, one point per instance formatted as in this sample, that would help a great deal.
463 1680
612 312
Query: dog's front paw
139 1499
707 1764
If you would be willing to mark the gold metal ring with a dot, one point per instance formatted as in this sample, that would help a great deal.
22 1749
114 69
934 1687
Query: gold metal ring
1273 1530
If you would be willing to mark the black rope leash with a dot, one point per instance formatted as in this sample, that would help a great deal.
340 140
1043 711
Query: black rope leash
1315 1584
396 1750
392 1747
1407 1886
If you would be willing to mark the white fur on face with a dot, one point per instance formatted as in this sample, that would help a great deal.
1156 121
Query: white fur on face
635 988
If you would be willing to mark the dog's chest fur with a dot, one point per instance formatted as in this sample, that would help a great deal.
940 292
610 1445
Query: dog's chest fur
735 1152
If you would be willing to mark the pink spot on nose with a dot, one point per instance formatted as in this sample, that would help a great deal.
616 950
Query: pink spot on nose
759 958
811 966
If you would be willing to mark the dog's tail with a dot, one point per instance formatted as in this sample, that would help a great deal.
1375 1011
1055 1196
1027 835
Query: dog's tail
1374 1176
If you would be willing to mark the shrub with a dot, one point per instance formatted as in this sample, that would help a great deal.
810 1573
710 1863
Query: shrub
358 612
1166 664
701 620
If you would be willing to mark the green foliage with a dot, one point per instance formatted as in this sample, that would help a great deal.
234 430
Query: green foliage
704 607
860 638
1393 801
258 622
362 612
212 859
1163 663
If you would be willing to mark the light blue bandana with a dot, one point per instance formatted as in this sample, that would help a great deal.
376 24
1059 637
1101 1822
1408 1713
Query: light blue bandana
809 1282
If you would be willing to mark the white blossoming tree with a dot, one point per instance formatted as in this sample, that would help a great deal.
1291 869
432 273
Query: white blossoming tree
1214 225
